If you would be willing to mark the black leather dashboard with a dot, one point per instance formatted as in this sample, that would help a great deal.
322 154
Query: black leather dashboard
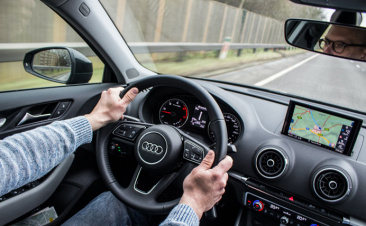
261 115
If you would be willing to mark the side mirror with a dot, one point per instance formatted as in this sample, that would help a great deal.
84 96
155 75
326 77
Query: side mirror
59 64
341 40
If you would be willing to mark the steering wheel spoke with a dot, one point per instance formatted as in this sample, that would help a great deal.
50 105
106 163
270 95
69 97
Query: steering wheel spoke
129 131
151 191
193 150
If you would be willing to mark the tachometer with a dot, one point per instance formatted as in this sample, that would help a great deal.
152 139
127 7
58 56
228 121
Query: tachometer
173 112
233 128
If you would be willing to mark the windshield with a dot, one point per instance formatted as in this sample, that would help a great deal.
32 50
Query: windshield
238 41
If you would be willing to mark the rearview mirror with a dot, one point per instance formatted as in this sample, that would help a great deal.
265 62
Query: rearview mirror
328 38
59 64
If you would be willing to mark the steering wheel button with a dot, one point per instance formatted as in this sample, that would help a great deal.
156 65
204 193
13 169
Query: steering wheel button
196 151
131 136
186 155
122 132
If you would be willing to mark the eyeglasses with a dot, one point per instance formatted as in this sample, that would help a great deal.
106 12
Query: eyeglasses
338 46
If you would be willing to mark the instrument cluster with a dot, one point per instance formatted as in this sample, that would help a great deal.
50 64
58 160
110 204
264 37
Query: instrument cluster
187 113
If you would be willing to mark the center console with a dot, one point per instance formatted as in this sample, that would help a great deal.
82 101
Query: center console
266 205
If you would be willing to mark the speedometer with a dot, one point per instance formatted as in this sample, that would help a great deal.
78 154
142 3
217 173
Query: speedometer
232 126
173 112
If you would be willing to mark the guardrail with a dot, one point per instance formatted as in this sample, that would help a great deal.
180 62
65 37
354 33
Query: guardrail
16 51
46 67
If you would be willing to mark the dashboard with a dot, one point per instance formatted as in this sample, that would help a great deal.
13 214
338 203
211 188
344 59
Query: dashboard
275 174
186 112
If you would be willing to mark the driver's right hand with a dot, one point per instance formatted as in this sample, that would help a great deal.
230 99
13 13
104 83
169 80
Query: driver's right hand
204 186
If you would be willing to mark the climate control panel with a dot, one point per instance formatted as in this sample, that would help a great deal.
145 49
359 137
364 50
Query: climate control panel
283 215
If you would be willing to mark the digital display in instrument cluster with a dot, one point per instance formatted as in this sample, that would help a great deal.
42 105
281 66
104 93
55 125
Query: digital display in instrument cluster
321 127
200 116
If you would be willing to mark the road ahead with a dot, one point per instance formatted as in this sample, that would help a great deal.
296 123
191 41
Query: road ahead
328 79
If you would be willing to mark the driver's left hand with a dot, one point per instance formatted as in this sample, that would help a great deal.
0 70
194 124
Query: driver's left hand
110 107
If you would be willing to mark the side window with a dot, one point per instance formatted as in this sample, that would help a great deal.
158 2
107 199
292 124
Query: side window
26 25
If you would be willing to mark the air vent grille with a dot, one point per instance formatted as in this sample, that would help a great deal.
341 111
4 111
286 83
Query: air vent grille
331 185
271 163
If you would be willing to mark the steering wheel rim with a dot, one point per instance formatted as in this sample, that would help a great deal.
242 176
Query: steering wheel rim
147 202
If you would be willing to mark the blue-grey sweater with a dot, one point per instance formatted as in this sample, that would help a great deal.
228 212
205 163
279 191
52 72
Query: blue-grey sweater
27 156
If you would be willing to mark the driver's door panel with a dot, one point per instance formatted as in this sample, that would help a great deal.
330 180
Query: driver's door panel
57 103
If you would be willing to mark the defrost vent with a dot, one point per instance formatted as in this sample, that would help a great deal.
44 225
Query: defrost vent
271 163
331 185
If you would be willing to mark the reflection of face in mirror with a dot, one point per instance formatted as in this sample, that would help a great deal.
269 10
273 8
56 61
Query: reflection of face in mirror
53 63
345 42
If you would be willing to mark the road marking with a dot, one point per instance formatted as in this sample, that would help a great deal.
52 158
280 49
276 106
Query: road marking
279 74
358 66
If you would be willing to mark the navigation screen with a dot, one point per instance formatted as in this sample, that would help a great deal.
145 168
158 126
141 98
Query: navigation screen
200 116
320 127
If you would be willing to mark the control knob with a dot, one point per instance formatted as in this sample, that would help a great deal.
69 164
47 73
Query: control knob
258 205
284 220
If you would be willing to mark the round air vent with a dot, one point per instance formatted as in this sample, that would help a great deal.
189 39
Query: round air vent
331 185
271 163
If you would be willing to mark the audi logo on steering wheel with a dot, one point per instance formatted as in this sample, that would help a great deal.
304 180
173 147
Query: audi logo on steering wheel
152 148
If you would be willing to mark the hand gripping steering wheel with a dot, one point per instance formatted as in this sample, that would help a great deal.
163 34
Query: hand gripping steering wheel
159 149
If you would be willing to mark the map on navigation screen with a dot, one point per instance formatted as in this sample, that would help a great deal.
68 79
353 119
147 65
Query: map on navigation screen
320 128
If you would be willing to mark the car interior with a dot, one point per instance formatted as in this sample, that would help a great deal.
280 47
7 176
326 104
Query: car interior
280 175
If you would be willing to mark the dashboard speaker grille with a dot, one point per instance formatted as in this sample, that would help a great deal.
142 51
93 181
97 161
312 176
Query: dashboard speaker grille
331 185
271 163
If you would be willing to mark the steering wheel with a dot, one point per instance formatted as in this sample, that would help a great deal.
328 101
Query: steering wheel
159 149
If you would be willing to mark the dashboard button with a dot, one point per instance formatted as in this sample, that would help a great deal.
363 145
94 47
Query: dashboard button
282 195
258 205
291 222
262 187
322 210
278 216
272 214
311 206
284 220
301 202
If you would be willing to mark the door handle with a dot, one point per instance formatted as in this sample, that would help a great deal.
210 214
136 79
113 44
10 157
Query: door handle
29 117
2 121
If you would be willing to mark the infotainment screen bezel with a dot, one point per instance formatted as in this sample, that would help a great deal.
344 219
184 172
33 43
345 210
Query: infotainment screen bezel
351 139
